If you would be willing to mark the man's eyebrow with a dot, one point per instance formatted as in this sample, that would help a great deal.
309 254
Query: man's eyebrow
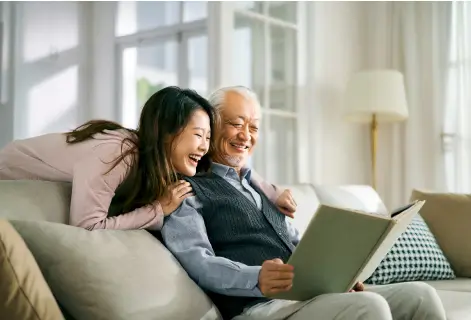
243 118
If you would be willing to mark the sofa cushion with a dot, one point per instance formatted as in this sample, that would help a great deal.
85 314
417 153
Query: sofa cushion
307 204
24 294
456 304
458 284
35 200
113 274
414 256
449 218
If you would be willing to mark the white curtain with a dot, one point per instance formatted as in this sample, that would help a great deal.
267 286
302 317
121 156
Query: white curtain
417 41
457 121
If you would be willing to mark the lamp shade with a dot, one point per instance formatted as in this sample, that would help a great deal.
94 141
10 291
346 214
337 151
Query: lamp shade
379 92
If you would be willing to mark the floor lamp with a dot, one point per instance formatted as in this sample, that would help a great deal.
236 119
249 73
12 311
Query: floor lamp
373 97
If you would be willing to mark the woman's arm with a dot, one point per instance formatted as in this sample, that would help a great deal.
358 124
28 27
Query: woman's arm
93 189
270 190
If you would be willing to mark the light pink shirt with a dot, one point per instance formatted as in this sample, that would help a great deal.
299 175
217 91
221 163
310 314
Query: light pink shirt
50 158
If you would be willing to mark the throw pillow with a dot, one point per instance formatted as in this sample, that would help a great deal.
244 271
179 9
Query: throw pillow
113 274
24 294
415 256
449 217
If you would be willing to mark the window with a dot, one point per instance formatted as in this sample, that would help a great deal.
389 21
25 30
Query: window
457 126
265 48
159 44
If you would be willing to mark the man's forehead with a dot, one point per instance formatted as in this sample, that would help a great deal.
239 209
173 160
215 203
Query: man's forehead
237 105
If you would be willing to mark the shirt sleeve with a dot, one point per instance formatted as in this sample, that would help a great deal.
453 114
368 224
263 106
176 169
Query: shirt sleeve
93 188
185 235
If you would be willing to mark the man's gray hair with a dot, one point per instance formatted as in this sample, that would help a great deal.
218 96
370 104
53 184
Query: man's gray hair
216 99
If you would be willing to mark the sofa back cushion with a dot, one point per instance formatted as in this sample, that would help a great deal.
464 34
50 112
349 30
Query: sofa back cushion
449 218
113 274
307 204
356 197
35 200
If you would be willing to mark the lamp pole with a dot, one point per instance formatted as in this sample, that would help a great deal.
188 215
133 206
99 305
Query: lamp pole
374 145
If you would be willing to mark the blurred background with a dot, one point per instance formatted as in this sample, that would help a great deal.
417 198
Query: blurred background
64 63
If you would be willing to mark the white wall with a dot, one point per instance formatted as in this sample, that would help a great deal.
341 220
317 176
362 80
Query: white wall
47 67
6 106
60 71
341 149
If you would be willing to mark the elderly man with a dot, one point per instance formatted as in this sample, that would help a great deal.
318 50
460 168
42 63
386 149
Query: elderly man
233 241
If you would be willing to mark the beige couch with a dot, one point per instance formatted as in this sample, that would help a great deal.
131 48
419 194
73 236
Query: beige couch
130 275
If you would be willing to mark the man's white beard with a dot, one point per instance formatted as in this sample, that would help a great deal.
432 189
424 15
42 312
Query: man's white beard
233 161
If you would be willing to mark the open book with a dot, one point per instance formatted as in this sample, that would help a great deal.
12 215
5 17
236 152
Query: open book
341 247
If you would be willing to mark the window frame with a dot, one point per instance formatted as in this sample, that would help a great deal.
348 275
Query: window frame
300 80
181 32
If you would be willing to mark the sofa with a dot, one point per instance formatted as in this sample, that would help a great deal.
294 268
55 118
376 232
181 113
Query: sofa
115 274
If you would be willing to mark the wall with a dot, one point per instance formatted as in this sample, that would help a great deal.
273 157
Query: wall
47 67
6 105
58 72
340 150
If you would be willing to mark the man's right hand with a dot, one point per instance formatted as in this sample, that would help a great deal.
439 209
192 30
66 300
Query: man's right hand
275 276
175 195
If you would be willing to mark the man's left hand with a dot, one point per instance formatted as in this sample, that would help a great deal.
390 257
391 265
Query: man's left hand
358 287
286 203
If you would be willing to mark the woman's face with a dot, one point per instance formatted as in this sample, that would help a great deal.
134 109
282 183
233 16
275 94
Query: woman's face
191 144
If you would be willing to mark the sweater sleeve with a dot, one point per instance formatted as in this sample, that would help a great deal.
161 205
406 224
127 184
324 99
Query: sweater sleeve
270 190
93 188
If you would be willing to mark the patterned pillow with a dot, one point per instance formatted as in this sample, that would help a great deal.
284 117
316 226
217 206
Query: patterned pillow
415 256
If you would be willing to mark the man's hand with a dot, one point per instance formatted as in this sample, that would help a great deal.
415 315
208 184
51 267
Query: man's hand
275 276
175 195
359 286
286 203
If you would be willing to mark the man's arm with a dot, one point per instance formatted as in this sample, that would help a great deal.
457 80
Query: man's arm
184 234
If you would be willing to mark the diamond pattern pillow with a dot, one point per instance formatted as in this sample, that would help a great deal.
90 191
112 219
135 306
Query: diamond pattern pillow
415 256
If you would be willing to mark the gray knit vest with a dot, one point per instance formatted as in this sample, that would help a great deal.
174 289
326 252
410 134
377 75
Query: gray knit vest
240 232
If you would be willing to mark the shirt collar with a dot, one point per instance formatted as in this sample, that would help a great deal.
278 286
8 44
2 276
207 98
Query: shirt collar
226 171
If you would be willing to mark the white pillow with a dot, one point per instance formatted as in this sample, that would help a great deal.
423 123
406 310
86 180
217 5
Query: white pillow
356 197
113 274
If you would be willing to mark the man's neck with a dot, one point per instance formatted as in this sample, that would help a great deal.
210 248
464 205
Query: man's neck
237 169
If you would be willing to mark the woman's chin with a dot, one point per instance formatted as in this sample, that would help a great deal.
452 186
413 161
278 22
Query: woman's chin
189 172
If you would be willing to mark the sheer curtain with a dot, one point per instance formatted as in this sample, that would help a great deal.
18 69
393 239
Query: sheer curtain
457 125
416 39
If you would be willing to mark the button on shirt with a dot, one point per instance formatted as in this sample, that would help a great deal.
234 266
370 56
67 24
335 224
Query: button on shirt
184 234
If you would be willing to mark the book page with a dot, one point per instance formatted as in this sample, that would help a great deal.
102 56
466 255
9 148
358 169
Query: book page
333 249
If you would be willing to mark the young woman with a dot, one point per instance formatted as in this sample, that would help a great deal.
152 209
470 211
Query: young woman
121 178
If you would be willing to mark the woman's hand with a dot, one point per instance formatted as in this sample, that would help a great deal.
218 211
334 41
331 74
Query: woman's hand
286 203
175 195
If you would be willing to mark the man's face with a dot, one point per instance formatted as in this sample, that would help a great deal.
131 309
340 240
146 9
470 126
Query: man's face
237 133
